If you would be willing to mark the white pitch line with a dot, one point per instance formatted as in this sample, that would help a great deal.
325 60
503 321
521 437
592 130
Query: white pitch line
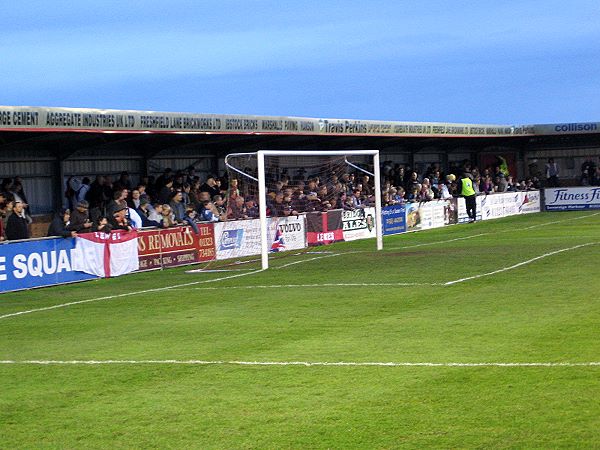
127 294
295 363
318 285
488 233
514 266
307 260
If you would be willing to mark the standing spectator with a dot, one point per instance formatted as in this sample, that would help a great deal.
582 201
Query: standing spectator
134 199
588 172
84 188
552 172
210 186
118 202
465 188
124 182
164 194
177 206
96 198
17 226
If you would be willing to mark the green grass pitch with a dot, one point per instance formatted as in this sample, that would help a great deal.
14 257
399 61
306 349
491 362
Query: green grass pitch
506 293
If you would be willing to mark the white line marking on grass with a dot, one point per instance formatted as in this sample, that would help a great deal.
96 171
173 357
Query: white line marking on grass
514 266
438 242
489 233
307 260
127 294
318 285
296 363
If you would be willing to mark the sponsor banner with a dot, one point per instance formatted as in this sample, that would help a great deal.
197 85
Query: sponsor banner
106 254
324 227
30 264
237 239
358 224
529 202
394 219
433 214
572 199
493 205
287 233
461 210
170 247
567 128
109 120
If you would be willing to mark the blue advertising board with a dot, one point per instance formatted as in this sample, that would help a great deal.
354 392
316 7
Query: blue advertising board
393 219
30 264
572 199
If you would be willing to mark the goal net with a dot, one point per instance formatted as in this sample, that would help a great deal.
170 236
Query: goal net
281 201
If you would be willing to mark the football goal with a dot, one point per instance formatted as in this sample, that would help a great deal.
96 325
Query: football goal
286 184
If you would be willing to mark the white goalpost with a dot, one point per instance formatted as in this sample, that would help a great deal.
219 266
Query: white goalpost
261 180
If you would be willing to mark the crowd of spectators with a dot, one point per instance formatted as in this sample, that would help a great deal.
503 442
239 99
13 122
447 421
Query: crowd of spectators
184 198
403 184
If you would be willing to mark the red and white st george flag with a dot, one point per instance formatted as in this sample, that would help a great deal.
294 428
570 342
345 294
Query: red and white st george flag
106 254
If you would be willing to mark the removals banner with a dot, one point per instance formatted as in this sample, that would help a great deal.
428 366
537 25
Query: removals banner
170 247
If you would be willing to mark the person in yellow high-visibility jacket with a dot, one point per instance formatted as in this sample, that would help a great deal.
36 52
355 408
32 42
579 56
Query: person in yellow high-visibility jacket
465 188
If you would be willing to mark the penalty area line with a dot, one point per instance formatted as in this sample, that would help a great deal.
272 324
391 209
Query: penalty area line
194 362
515 266
126 294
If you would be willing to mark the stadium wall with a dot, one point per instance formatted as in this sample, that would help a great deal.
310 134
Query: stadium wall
45 262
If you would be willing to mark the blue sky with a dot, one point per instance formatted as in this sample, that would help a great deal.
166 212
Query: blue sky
511 62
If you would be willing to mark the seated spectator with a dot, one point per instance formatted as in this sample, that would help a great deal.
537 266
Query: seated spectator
101 225
485 185
144 212
236 210
413 195
60 223
219 203
168 218
357 201
425 193
119 219
80 219
17 226
155 214
444 192
190 219
209 212
511 186
251 208
342 202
